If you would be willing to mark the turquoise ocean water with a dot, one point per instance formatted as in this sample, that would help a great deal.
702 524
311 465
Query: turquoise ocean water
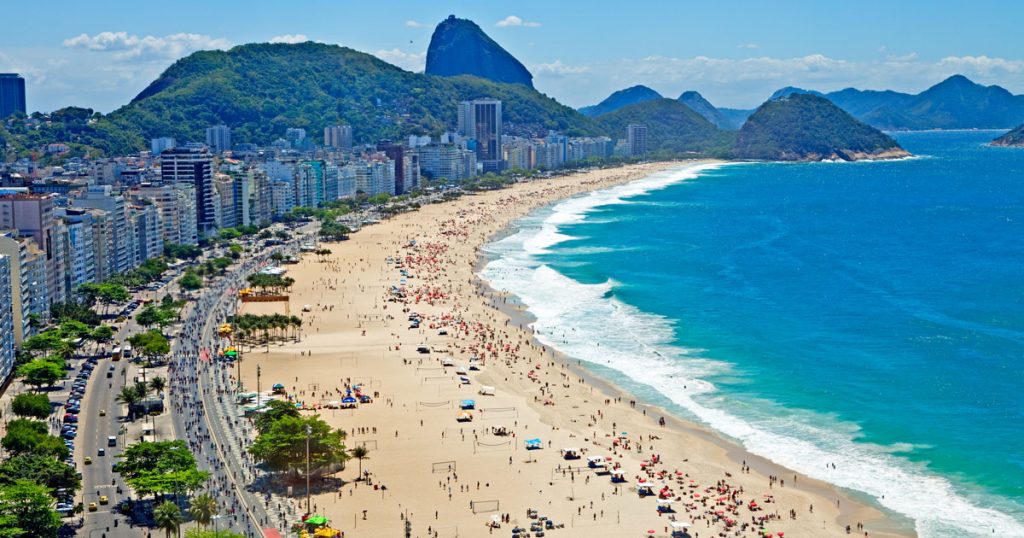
869 315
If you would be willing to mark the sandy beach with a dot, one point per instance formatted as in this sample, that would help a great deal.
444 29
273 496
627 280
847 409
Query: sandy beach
454 478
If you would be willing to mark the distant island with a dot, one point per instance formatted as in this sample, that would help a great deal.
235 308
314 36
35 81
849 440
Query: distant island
825 132
1014 139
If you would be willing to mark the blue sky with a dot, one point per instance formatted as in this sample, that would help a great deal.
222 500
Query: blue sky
735 53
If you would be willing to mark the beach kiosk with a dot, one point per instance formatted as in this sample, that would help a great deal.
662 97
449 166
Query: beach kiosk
679 528
618 477
278 388
486 391
534 444
447 361
571 453
665 506
644 489
468 404
597 464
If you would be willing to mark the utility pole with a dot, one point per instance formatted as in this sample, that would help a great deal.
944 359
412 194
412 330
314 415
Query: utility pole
258 397
309 432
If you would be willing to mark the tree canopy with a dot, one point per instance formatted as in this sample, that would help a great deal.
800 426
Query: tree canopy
282 445
25 511
25 436
31 405
153 468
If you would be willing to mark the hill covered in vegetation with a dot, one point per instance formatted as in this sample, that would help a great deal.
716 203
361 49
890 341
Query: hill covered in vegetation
619 99
806 127
672 128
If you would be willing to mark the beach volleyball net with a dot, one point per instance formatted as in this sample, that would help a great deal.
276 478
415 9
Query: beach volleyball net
499 446
496 413
431 406
443 467
482 507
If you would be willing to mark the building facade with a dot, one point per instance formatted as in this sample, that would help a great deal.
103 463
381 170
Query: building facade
480 119
12 94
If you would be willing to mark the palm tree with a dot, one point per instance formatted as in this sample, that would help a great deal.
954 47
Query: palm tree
203 508
168 517
129 396
360 453
158 384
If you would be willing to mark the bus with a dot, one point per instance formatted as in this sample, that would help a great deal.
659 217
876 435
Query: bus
126 351
116 353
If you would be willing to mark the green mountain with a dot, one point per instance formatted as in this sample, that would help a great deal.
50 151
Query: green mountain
806 127
954 103
700 105
619 99
1014 138
460 47
259 90
672 128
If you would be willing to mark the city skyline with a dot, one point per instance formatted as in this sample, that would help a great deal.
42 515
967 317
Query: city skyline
102 60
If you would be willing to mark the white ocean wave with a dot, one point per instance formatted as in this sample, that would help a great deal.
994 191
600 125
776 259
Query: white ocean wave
587 322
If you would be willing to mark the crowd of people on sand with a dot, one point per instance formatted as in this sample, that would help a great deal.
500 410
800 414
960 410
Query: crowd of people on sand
424 274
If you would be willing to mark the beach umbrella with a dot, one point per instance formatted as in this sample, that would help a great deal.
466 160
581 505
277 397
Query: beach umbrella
317 520
278 386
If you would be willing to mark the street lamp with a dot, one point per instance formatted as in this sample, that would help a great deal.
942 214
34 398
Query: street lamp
309 433
215 520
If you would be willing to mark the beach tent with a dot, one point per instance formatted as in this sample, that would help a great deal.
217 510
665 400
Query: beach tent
533 444
595 462
644 489
460 369
486 391
316 520
679 524
571 453
333 404
618 477
278 387
348 402
665 506
465 416
464 380
468 404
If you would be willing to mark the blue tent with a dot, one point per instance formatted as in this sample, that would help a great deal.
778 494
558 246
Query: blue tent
533 444
468 404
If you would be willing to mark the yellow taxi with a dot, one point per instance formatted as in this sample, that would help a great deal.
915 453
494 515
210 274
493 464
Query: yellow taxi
104 499
88 460
92 507
103 412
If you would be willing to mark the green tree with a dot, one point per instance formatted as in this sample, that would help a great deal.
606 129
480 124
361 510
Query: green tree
160 467
26 436
168 517
40 469
190 281
156 315
31 405
276 409
158 384
283 445
203 508
151 344
102 334
48 342
360 453
25 511
130 397
40 372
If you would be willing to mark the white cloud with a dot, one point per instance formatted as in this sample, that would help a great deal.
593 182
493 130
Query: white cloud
126 46
512 20
983 65
413 24
289 38
558 68
410 61
749 46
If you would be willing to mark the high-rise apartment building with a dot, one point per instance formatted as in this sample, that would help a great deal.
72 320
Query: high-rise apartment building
480 120
32 215
81 251
193 167
176 206
338 137
12 94
103 197
636 136
218 138
162 144
6 319
396 153
28 281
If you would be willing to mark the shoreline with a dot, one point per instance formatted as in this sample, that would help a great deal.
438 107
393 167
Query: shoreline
566 403
858 506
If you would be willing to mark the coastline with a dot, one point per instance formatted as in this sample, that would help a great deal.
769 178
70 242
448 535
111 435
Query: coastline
702 453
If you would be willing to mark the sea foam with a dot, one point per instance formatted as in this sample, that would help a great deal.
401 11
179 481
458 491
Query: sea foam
587 322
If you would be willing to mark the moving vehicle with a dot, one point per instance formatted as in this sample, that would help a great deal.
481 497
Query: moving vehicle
93 507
